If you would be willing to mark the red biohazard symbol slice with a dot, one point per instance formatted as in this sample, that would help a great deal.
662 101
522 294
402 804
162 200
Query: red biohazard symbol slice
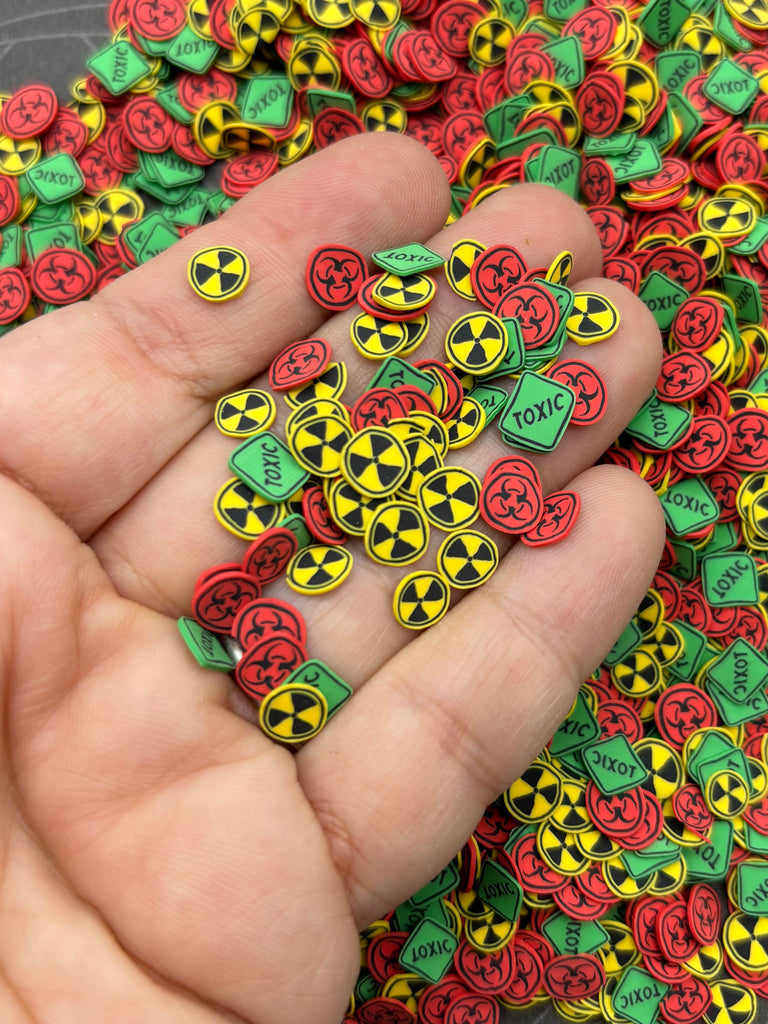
495 271
147 125
524 66
596 181
559 512
697 323
60 276
687 1001
384 1010
216 603
616 717
691 810
588 386
246 170
511 498
448 393
611 226
267 557
331 125
704 913
705 447
267 617
317 516
375 408
600 103
681 710
435 1000
334 276
618 815
740 158
683 376
681 265
268 663
29 112
749 441
476 1008
595 28
485 973
535 308
158 19
452 23
14 294
573 977
365 70
10 200
675 939
299 363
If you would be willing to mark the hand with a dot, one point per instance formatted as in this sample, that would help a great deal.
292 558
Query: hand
163 861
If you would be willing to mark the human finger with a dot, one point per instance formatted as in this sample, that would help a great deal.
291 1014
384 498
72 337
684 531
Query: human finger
127 378
464 708
159 564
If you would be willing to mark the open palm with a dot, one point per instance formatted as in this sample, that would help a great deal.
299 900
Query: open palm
162 860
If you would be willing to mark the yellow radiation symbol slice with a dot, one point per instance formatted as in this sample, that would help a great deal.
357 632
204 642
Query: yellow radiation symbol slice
375 462
210 125
18 155
467 559
664 766
330 384
727 218
317 444
219 273
380 14
489 40
752 13
405 988
244 513
593 318
404 294
726 794
434 430
571 815
318 568
637 675
397 534
421 599
621 883
416 328
313 67
477 343
620 951
425 459
560 850
560 268
117 207
476 164
331 14
467 424
376 338
450 497
745 937
459 265
245 412
309 410
490 932
534 796
384 116
731 1003
650 613
293 713
350 509
298 145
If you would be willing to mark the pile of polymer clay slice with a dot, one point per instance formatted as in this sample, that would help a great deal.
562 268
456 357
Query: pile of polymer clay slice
624 876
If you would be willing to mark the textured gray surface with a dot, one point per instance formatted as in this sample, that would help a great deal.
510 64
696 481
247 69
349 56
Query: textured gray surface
48 40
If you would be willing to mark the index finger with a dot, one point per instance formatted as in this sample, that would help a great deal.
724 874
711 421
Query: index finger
126 379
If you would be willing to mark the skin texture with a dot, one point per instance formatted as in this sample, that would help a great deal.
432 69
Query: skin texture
162 860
